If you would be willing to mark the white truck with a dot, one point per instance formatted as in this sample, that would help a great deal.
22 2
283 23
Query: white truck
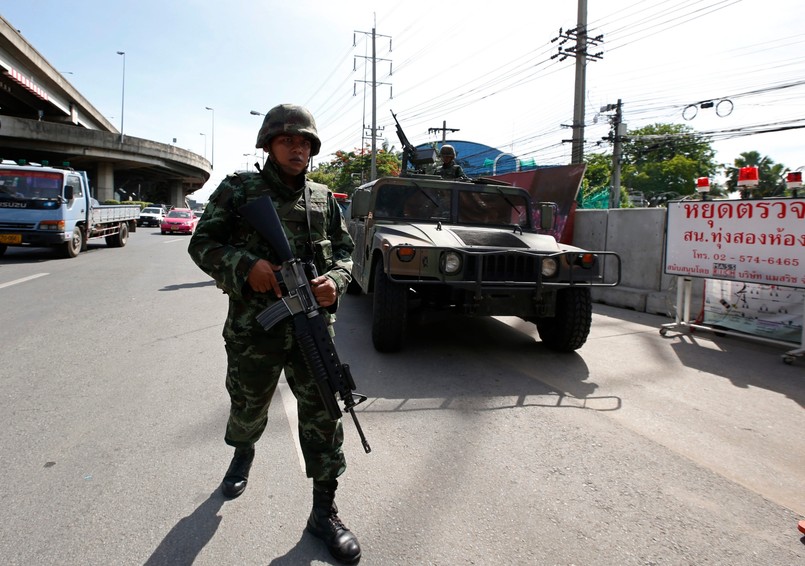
52 206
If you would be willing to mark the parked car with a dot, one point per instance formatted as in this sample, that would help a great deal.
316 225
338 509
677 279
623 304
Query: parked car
151 216
181 220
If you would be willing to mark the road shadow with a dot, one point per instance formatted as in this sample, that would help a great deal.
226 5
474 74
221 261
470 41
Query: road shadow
507 366
28 255
197 284
743 361
191 534
307 550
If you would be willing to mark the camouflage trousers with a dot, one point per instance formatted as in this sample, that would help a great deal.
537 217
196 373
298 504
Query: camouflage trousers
253 371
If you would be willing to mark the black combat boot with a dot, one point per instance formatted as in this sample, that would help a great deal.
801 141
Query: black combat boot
325 524
237 476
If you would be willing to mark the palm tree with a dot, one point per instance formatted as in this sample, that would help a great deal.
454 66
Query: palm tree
770 175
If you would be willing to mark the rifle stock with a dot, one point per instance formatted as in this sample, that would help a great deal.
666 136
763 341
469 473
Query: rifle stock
263 217
318 349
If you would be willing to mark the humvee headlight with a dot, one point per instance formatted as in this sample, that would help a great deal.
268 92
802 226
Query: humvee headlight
549 267
450 263
406 253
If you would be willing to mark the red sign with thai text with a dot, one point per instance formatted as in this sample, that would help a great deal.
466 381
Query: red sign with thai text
756 241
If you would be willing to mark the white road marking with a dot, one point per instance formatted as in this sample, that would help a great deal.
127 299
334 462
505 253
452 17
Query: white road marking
289 404
174 240
23 280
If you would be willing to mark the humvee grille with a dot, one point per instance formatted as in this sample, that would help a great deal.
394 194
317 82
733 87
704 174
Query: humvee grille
504 267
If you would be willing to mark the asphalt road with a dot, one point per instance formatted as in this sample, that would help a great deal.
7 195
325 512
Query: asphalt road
487 448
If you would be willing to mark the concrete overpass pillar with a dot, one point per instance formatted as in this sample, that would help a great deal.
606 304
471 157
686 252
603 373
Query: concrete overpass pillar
176 194
105 182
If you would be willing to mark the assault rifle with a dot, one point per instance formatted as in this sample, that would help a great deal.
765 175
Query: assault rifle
318 350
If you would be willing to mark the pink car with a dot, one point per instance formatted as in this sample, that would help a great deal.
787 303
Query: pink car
179 220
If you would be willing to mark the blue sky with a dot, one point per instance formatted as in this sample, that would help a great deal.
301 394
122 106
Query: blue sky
482 67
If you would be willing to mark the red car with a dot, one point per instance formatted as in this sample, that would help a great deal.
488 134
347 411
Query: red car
181 220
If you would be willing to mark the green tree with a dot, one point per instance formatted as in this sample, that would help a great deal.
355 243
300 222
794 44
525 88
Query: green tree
348 169
325 174
598 173
596 184
770 175
665 159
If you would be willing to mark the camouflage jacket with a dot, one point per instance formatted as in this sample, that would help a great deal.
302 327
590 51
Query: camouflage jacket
452 171
226 247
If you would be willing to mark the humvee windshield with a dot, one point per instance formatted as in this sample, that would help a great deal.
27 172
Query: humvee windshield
491 206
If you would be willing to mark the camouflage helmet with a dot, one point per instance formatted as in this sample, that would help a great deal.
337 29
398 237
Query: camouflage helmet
289 119
447 150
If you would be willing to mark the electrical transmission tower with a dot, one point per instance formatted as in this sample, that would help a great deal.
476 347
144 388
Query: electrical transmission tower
374 83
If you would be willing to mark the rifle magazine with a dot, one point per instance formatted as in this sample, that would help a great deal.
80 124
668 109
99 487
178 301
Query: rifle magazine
273 314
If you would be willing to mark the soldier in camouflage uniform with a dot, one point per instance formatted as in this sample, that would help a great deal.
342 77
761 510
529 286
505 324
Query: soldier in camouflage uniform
243 265
449 169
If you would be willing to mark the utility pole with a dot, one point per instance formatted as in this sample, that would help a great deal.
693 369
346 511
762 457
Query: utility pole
580 52
374 83
616 137
373 170
444 129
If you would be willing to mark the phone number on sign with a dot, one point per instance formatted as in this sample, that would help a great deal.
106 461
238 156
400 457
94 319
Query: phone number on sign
769 260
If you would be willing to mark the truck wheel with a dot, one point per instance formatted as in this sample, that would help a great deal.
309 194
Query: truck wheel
119 240
3 248
73 246
389 312
568 329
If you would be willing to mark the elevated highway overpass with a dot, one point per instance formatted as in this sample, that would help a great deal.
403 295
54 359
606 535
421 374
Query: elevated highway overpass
43 118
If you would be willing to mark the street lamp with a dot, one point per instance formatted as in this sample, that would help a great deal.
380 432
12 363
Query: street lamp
123 94
256 113
205 143
212 155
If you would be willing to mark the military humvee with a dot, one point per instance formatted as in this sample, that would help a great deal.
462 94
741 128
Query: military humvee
477 247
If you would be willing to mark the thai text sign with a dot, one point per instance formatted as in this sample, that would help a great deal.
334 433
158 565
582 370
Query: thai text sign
755 241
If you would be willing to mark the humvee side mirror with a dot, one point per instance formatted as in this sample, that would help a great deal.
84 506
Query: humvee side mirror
360 203
547 215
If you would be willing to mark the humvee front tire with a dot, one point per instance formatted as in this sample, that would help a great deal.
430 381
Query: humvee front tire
568 329
389 312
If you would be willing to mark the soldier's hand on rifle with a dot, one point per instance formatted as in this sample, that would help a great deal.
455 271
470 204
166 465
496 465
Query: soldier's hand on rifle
261 278
324 290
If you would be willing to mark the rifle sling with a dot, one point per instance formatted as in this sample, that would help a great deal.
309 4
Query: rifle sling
308 197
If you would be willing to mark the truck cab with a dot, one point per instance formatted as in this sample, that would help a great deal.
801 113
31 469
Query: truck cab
53 207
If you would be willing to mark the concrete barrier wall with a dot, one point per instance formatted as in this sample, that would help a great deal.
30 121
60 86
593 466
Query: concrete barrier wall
637 235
